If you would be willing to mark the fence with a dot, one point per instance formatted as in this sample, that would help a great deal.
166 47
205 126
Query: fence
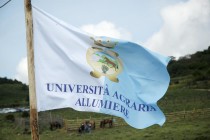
192 114
72 125
45 118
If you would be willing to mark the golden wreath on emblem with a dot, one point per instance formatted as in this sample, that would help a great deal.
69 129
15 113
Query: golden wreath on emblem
103 60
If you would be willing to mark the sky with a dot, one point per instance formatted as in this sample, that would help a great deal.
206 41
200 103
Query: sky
169 27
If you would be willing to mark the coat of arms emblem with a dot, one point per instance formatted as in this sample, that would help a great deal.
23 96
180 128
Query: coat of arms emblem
103 60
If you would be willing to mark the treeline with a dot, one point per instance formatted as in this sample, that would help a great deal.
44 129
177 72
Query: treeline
197 65
5 80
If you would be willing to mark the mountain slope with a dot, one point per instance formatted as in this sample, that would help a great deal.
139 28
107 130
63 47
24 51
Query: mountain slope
192 71
13 93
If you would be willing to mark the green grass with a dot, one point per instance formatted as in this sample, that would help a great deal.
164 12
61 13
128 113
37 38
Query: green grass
190 82
174 100
184 99
69 113
196 128
13 95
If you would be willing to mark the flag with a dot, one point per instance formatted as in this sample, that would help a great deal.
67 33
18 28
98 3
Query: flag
97 74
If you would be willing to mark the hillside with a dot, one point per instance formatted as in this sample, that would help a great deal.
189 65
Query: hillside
13 93
191 71
197 64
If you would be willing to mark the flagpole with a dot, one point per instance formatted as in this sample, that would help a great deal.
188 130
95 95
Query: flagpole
31 74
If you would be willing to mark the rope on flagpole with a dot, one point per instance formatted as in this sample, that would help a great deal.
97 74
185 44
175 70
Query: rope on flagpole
5 4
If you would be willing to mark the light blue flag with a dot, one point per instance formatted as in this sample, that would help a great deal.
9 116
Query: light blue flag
99 74
142 82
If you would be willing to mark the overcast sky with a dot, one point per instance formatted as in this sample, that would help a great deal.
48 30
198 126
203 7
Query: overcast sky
170 27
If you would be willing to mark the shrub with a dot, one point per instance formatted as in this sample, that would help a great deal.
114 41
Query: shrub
25 114
10 117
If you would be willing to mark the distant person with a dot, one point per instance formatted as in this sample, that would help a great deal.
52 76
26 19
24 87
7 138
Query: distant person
89 127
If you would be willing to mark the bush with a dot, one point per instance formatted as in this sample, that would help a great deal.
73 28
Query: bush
25 114
10 117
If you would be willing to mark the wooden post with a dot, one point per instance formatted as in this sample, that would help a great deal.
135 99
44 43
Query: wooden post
31 75
50 117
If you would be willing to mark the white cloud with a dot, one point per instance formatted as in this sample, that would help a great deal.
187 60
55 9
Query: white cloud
185 30
106 28
22 71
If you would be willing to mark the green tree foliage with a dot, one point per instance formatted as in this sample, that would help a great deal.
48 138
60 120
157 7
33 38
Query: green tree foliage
9 81
197 65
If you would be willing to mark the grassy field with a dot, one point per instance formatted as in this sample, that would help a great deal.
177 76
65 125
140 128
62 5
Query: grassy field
197 127
184 99
13 95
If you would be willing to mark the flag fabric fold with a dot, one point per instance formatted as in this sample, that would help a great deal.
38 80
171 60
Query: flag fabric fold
98 74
